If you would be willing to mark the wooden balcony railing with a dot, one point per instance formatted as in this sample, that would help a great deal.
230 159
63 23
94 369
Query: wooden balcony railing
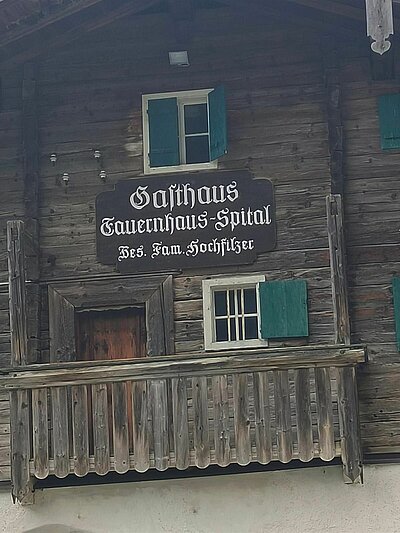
179 412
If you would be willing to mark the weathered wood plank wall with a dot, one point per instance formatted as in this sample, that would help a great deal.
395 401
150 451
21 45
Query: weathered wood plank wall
372 207
90 98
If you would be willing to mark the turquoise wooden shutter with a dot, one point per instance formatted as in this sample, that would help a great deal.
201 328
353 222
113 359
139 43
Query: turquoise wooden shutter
396 303
389 119
163 132
217 121
283 308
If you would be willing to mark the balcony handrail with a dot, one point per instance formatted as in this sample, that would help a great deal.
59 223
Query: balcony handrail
211 364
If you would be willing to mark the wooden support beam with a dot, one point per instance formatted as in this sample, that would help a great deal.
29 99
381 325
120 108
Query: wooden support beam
379 24
346 377
31 156
19 400
153 368
333 92
337 253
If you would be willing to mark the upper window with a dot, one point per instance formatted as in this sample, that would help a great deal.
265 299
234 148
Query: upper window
184 131
246 311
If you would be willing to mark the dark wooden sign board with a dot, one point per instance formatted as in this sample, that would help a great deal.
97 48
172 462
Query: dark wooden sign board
181 221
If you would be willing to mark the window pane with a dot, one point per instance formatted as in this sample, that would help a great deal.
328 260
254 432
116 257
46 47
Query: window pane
240 329
220 303
221 330
196 119
233 329
232 309
250 305
197 149
251 327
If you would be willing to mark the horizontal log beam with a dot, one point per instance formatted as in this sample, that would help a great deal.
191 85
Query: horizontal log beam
209 364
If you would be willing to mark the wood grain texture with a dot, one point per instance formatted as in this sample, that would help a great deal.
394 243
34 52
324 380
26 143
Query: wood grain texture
201 429
159 413
101 436
305 441
120 427
80 430
40 428
222 436
140 425
283 416
262 417
325 414
242 419
180 422
60 400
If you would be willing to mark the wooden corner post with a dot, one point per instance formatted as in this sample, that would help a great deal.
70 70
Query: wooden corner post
346 379
19 400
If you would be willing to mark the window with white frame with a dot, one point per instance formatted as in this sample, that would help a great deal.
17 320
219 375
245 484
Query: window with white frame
184 130
247 311
231 310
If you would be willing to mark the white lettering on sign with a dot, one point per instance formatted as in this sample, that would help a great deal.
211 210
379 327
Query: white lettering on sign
177 195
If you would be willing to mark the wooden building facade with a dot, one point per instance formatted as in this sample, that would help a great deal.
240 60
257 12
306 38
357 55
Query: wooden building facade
149 360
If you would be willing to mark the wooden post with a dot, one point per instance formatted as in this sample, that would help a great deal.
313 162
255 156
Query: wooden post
334 117
346 377
19 400
337 253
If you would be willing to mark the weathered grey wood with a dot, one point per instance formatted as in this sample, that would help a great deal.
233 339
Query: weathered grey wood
262 417
101 437
283 416
168 315
40 431
38 376
349 425
325 414
337 253
120 427
221 420
20 401
303 413
20 446
180 421
140 425
61 327
80 430
61 434
379 24
201 429
159 412
242 419
17 292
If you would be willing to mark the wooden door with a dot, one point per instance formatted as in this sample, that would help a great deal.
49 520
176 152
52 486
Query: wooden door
111 334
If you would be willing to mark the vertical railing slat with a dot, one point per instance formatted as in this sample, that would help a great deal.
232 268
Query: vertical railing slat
120 427
242 419
101 436
159 410
349 424
262 417
180 423
325 414
283 416
20 443
140 425
221 420
80 429
59 409
303 413
201 429
40 429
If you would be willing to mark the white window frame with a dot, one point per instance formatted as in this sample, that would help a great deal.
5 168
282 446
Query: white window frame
226 283
183 98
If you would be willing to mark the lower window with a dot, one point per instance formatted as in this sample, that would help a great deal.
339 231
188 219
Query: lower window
232 313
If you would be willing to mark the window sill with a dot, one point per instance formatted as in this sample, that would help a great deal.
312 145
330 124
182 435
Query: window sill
212 165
